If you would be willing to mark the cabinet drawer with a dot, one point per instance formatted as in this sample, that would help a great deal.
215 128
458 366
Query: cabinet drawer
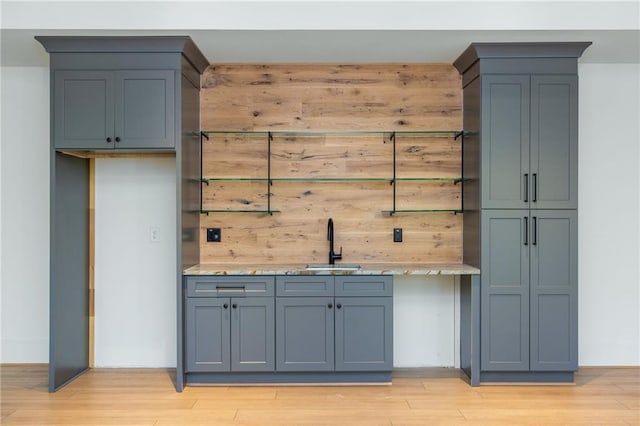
230 286
295 286
369 285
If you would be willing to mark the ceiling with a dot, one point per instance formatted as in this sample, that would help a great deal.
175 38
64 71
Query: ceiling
341 46
316 31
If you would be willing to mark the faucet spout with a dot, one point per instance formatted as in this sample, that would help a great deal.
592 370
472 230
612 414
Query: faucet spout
332 254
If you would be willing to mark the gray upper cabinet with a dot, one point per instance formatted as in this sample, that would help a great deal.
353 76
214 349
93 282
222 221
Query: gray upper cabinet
505 141
554 142
133 109
529 141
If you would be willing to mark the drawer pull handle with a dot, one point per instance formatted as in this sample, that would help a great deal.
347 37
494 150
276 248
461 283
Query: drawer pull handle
234 306
225 306
330 305
222 289
339 305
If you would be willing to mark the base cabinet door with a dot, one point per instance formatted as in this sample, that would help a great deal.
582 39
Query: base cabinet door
364 333
529 294
554 290
304 334
504 330
208 334
230 334
252 334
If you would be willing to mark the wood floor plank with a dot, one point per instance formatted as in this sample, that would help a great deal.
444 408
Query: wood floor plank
602 396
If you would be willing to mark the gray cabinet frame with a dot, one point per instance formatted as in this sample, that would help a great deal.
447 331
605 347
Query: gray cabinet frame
521 179
100 60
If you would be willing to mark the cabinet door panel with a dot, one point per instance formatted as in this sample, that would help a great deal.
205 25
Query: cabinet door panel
304 334
505 291
554 141
369 285
208 334
83 114
364 333
145 109
505 141
554 290
253 334
293 285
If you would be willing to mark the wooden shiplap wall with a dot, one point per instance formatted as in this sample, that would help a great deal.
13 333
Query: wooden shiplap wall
376 97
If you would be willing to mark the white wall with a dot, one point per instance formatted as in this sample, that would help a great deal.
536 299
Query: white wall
608 258
25 214
131 333
135 287
609 217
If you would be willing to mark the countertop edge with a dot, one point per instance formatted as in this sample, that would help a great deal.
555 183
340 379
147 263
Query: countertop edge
366 269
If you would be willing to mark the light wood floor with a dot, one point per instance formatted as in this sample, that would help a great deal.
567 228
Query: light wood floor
604 396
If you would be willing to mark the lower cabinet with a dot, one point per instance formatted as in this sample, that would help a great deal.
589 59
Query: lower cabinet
305 335
529 291
288 328
344 324
363 334
229 333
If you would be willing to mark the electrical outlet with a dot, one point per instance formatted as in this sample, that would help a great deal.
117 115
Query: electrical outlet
214 235
397 235
154 234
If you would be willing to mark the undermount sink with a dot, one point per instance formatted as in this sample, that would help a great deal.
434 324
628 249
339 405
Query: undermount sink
328 267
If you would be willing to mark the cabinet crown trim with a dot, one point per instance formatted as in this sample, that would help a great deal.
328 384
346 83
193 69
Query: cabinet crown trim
477 51
126 44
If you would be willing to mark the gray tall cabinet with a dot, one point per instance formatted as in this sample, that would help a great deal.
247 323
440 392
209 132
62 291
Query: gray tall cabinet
114 95
520 155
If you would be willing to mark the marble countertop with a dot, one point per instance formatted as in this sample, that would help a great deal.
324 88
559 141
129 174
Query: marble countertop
366 269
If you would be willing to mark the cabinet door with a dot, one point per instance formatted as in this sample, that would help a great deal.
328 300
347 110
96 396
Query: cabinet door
253 334
554 141
504 330
145 110
505 141
304 334
208 334
554 290
83 114
364 333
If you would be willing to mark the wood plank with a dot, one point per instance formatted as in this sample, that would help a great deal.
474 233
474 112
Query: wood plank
437 396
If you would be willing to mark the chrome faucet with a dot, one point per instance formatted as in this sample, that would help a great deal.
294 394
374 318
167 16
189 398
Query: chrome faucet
332 254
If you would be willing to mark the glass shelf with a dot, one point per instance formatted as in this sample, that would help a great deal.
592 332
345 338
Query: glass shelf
206 211
333 179
392 212
387 136
302 133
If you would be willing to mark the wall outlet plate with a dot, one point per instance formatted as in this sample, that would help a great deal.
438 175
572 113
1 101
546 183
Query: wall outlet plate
214 235
397 235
